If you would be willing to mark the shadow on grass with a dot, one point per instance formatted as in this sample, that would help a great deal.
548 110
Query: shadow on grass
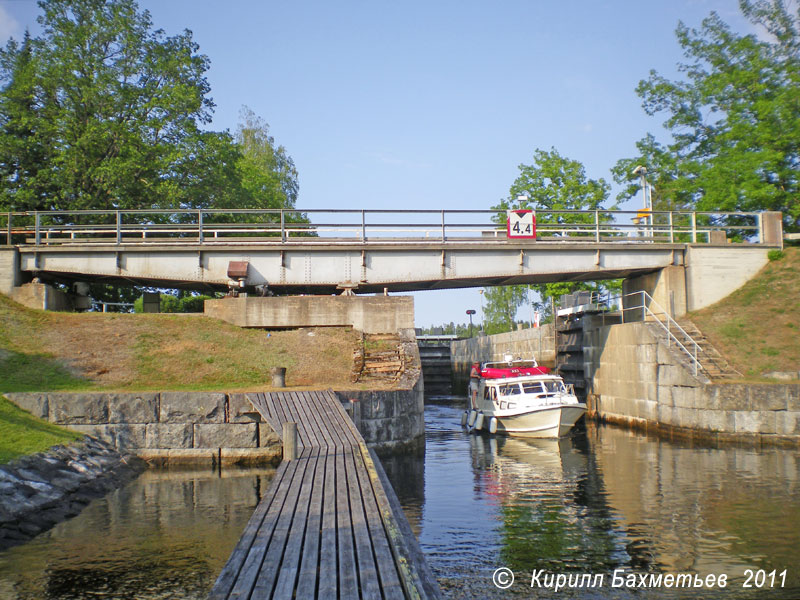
36 373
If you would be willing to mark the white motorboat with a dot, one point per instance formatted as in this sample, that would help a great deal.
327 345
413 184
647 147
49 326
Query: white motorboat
518 397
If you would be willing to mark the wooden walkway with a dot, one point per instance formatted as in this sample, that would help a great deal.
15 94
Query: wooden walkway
329 525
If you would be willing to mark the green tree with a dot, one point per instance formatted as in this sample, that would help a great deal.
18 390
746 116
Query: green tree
267 172
555 186
502 303
734 118
102 112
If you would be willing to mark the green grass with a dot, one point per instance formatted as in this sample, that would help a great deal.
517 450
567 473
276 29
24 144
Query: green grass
36 372
21 433
756 326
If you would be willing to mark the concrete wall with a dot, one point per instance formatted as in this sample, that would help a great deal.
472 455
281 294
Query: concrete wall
524 342
10 276
369 314
666 287
713 272
42 297
639 382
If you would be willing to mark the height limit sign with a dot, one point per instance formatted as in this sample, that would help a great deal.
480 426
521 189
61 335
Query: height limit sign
521 224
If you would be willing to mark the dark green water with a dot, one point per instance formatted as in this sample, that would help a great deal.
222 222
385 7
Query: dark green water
603 500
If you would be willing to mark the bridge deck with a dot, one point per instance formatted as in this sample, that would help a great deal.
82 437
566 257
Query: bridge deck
329 523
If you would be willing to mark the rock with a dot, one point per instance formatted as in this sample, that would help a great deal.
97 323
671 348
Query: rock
38 491
782 375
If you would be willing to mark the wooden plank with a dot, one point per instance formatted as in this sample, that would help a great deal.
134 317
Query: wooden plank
303 411
230 571
347 428
327 556
272 562
415 574
334 426
367 569
387 569
274 418
320 424
348 578
310 561
284 399
252 563
323 417
290 563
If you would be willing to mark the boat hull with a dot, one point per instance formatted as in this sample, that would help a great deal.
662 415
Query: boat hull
546 422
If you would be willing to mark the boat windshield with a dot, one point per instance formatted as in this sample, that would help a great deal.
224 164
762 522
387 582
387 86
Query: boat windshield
552 386
509 389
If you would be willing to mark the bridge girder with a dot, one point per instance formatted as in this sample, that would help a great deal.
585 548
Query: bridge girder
319 267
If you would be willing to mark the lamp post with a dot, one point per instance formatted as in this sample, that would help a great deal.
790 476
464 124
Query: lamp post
647 206
470 312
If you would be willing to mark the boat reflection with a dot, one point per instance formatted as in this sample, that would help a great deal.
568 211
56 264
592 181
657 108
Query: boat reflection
551 508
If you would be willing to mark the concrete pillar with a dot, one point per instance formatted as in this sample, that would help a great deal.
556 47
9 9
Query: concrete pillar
666 287
10 275
771 233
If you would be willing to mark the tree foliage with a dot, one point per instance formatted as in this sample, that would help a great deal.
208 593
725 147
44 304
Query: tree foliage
734 118
551 183
555 183
102 111
267 172
502 303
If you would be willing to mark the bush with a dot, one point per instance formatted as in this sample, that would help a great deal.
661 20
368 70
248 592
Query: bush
173 304
775 254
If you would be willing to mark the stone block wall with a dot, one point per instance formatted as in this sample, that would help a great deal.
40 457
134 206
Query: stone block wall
163 426
390 421
638 381
217 427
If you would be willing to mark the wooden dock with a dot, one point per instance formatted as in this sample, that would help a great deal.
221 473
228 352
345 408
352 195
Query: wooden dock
329 525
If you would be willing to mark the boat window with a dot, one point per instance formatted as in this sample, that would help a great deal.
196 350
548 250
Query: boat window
532 387
509 389
553 387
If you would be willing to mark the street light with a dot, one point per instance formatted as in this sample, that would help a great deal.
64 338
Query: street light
647 207
470 312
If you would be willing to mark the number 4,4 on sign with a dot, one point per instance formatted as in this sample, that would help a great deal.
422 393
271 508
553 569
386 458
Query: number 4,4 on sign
522 224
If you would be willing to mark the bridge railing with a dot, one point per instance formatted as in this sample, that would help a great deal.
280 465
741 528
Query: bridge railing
286 226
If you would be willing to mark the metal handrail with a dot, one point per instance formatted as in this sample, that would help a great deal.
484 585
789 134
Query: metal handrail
361 225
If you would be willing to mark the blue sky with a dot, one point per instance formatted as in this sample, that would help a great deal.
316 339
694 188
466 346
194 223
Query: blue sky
429 104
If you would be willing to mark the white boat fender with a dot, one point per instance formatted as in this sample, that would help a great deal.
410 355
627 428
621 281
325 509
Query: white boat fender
473 414
479 422
493 425
464 416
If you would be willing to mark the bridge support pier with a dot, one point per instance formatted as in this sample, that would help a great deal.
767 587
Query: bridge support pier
667 287
10 274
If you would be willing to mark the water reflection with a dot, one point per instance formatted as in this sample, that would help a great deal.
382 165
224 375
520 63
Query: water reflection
603 500
165 535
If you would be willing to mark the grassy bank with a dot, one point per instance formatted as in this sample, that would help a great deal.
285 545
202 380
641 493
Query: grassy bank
46 351
757 327
21 433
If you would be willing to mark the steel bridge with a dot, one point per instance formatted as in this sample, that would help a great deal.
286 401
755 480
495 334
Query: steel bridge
330 251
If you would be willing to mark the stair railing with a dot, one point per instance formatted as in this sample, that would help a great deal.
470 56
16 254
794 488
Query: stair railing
651 308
